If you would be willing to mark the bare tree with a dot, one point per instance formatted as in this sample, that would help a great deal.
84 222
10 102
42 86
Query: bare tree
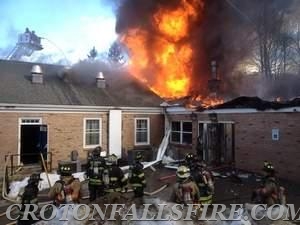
93 54
273 41
116 54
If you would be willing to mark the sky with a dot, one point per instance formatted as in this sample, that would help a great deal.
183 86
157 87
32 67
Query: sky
71 27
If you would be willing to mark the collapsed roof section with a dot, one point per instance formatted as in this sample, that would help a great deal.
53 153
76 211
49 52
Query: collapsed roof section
243 102
255 103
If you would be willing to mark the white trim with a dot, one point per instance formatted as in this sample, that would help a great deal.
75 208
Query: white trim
148 131
84 112
143 113
39 120
72 108
115 132
100 132
58 112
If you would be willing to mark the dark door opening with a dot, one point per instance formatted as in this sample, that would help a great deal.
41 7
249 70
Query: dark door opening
216 143
33 142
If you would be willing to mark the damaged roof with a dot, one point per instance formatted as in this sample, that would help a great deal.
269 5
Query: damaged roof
59 88
255 103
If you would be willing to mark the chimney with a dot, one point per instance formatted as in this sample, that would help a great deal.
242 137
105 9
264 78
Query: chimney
214 72
37 75
101 83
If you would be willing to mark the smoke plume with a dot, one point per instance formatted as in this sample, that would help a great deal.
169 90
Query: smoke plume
224 31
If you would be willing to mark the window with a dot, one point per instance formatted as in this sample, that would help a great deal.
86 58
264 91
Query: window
92 133
25 121
181 132
142 131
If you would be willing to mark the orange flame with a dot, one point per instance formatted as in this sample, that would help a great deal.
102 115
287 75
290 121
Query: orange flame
205 102
162 58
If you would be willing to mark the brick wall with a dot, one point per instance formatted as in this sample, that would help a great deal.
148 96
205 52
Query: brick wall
65 131
253 140
156 131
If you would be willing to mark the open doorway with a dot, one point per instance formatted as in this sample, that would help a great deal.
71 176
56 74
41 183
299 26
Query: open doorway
33 141
216 142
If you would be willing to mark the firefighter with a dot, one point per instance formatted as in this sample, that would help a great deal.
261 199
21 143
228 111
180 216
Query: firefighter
205 183
185 191
114 179
95 168
190 160
67 189
270 192
137 176
29 197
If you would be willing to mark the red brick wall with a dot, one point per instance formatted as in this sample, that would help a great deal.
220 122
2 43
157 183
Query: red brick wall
156 131
65 132
254 144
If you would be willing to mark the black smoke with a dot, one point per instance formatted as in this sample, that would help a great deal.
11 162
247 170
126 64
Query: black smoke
226 32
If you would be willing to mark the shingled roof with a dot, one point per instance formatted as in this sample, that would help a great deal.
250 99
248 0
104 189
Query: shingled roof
61 89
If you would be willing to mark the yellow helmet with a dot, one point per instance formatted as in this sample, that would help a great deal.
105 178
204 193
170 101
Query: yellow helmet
183 172
268 167
112 160
138 156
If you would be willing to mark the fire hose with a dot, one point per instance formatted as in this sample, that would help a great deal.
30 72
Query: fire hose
46 170
156 191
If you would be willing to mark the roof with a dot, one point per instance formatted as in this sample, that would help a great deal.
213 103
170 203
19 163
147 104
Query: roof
76 86
245 102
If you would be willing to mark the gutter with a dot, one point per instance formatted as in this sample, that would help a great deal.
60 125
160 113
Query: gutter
74 108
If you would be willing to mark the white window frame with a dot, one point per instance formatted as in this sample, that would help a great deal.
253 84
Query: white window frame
84 133
148 131
30 121
181 132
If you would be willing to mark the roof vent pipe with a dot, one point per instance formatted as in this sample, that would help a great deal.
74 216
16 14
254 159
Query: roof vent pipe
36 74
101 83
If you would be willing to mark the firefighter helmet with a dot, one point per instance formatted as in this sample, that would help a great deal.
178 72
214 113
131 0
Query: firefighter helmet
96 152
138 156
189 158
65 170
268 167
183 172
34 178
112 160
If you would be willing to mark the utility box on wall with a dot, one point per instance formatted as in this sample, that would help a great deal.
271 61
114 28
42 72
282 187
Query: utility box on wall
275 134
73 166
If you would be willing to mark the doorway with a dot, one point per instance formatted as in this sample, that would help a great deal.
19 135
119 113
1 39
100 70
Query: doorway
33 141
215 143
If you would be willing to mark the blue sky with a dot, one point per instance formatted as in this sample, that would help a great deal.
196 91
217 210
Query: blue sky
74 26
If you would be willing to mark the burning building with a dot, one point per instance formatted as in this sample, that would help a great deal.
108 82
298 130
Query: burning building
180 49
173 55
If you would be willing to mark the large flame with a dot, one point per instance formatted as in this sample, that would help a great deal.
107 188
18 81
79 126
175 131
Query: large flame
162 58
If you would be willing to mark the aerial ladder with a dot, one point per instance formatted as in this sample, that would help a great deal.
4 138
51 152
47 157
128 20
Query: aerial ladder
28 42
